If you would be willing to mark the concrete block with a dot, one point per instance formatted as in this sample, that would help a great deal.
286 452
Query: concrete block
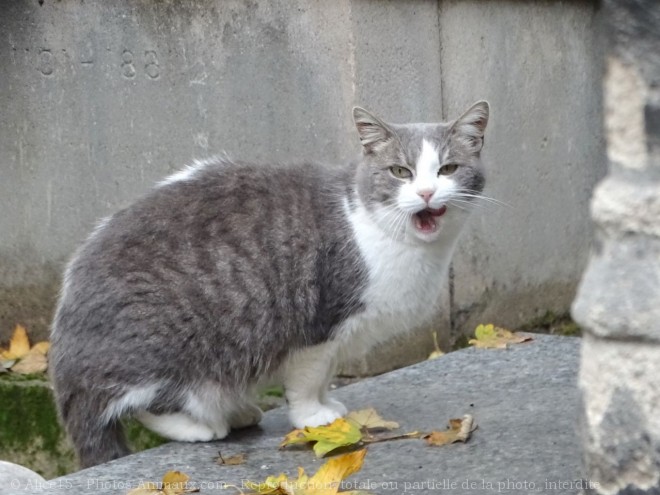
537 64
97 112
621 399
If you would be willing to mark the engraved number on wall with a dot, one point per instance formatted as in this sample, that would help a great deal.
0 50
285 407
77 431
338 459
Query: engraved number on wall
46 63
127 67
150 64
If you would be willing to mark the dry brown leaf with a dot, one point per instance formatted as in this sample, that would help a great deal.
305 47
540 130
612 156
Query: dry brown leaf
232 460
33 362
459 431
19 344
370 419
492 337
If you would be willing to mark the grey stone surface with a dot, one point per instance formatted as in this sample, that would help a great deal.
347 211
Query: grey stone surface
524 400
13 478
619 296
101 99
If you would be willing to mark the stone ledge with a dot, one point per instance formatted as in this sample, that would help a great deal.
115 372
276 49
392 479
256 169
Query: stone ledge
524 399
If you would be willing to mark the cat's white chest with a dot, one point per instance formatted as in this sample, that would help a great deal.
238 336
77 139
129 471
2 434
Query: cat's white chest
404 283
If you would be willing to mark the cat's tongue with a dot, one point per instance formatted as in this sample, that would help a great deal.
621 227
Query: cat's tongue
425 219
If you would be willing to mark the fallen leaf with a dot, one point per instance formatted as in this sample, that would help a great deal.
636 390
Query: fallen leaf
19 344
437 352
232 460
339 433
326 481
459 431
42 347
20 357
492 337
369 419
33 362
173 483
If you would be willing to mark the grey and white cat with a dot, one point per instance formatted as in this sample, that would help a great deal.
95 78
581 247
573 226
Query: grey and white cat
228 274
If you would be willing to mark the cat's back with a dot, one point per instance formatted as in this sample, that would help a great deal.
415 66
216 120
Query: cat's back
221 209
243 254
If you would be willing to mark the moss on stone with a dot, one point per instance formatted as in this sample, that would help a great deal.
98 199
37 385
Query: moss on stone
554 324
30 432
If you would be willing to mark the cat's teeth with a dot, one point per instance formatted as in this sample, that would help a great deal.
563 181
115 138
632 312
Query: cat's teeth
425 222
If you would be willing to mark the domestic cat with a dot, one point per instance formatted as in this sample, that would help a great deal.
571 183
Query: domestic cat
227 274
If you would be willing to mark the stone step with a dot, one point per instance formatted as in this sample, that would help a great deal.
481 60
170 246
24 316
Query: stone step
524 400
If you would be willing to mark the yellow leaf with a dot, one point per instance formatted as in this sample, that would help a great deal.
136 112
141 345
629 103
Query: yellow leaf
42 347
173 483
339 433
326 481
275 485
33 362
435 355
371 420
492 337
19 344
459 431
437 352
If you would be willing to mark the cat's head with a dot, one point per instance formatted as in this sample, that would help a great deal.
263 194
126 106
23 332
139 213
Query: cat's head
420 180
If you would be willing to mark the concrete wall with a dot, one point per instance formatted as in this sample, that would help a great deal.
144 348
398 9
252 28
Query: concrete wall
98 100
618 303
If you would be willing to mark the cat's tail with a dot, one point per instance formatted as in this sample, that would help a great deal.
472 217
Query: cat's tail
95 438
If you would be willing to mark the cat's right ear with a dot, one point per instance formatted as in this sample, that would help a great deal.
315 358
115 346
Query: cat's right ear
373 132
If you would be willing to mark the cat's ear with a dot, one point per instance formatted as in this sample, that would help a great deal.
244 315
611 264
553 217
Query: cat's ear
373 132
469 128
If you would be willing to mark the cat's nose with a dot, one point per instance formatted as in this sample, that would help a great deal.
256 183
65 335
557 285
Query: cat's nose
426 194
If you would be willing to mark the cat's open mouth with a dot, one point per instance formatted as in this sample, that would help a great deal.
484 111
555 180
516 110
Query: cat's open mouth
425 220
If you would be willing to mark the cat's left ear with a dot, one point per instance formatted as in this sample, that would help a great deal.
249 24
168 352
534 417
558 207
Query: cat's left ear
373 132
469 128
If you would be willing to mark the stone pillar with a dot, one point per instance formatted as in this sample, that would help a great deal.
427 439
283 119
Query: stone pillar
618 302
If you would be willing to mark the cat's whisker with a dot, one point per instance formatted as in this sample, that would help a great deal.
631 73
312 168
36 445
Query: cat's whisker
476 194
473 204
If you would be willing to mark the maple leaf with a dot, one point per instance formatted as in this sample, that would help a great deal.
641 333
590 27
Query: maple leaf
459 431
326 481
339 433
369 419
173 483
492 337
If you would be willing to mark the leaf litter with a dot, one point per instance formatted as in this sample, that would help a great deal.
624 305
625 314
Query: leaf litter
22 358
492 337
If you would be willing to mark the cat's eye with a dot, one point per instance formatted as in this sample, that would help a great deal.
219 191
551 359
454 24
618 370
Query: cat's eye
447 169
400 172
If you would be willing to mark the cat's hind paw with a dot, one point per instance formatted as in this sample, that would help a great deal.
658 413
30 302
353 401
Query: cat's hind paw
249 415
315 415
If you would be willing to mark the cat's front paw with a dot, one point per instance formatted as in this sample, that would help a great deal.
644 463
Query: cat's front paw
335 405
313 415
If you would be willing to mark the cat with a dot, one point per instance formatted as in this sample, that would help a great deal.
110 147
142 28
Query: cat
228 274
